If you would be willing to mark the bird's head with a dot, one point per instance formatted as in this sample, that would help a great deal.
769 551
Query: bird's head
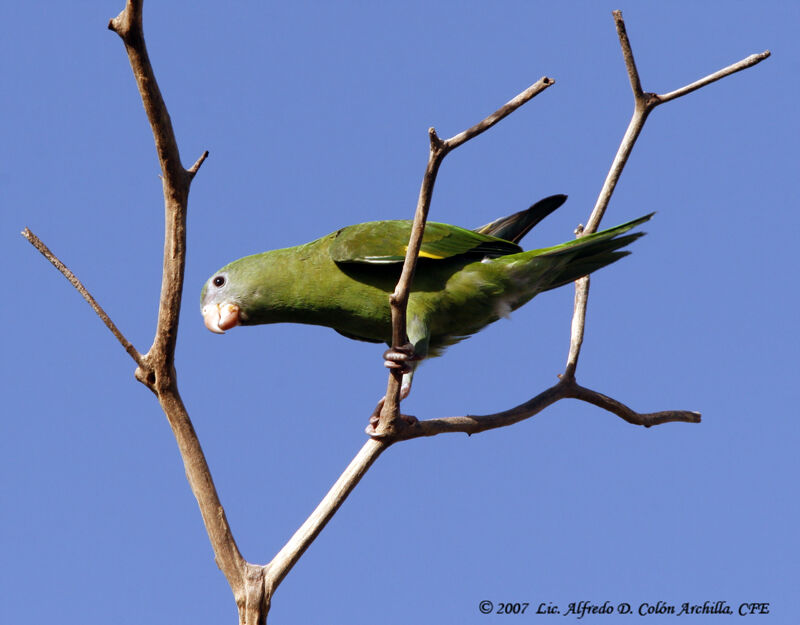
241 293
219 302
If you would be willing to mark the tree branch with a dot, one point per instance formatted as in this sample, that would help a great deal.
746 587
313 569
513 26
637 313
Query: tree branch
389 418
175 180
74 281
157 369
566 388
753 59
287 557
644 103
646 419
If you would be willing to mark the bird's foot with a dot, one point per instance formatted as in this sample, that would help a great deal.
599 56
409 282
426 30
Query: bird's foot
376 415
400 357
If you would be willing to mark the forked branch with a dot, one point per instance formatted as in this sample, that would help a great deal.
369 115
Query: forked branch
644 103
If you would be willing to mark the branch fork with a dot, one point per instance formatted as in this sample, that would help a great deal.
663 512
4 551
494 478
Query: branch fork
253 585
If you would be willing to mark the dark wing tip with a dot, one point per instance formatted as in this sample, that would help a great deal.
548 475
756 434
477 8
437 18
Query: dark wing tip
516 226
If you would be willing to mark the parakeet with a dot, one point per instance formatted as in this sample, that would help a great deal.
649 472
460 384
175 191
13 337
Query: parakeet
464 280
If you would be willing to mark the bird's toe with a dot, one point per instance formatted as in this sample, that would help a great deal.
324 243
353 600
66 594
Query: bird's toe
400 357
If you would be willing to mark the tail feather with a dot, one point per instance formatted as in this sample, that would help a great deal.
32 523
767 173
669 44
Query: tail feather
590 253
576 270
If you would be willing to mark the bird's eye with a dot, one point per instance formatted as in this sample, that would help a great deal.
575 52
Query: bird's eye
219 281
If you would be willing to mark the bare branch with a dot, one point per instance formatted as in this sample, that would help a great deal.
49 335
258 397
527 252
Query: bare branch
644 103
753 59
176 180
509 107
194 168
128 25
565 389
399 299
646 419
578 326
157 370
226 553
287 557
627 53
473 424
74 281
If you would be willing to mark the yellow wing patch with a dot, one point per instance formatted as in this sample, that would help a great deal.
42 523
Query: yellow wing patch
423 254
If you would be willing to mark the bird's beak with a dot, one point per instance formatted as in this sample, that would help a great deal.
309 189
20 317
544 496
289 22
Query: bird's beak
221 317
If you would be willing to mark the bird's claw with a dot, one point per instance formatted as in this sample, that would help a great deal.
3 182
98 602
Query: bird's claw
375 417
400 357
376 414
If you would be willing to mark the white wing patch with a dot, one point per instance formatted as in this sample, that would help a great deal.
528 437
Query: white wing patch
503 307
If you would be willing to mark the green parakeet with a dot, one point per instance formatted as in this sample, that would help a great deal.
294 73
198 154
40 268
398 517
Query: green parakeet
464 280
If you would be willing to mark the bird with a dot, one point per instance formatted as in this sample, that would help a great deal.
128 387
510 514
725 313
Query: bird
464 280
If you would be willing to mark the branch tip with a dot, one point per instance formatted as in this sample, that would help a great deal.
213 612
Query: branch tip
627 54
436 142
194 168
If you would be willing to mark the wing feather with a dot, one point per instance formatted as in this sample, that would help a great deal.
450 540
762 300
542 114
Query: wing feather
380 242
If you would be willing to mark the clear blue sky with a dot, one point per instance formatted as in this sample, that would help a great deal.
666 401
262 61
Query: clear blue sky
315 115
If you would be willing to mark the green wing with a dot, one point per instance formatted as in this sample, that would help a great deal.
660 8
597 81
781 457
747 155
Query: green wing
381 242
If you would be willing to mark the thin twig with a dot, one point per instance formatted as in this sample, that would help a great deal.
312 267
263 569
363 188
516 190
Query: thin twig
509 107
627 53
646 419
751 60
74 281
195 168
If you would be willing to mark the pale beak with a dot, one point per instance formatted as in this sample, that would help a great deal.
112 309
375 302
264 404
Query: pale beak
220 317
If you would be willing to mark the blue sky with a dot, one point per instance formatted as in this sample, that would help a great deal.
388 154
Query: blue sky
315 116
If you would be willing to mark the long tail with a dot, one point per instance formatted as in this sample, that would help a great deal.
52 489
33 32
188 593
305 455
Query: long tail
589 253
